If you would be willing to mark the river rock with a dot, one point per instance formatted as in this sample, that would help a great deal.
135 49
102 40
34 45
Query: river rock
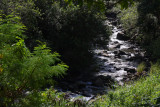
115 42
121 52
121 36
114 23
100 54
104 60
130 70
115 52
117 46
85 93
118 68
98 82
73 87
81 84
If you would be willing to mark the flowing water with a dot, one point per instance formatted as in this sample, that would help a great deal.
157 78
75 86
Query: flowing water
116 63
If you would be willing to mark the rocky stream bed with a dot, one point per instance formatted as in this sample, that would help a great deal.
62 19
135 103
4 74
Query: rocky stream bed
117 64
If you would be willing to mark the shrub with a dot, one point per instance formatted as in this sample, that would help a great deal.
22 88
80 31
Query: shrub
128 18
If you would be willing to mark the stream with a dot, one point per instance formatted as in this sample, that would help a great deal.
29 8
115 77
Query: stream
117 64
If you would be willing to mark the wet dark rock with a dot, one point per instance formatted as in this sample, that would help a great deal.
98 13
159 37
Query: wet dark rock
80 84
103 80
114 23
115 42
85 93
111 15
115 52
73 87
124 56
130 70
121 52
129 74
98 82
100 54
117 56
105 51
117 46
121 36
124 78
118 68
106 78
109 70
138 56
104 60
130 59
113 63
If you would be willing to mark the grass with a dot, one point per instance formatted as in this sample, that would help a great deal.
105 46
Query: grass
142 93
141 67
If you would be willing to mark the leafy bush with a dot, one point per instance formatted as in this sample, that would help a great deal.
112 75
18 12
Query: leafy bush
22 70
128 18
141 23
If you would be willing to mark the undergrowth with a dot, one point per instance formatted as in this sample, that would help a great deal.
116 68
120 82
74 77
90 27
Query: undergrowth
142 93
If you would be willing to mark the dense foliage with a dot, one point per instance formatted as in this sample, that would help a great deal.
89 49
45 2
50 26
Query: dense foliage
149 23
141 22
71 30
20 69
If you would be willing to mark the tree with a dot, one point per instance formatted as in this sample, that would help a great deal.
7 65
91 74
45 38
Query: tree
101 3
20 69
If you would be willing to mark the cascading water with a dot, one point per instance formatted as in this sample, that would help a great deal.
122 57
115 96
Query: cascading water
115 63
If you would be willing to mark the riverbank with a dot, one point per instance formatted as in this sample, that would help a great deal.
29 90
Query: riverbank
142 93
